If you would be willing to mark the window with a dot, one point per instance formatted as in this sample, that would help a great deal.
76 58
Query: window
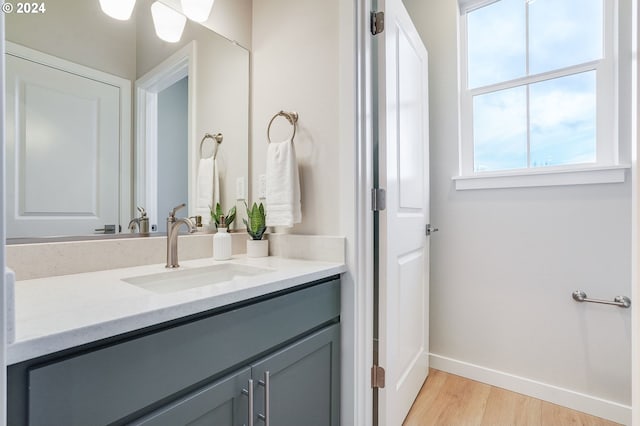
538 89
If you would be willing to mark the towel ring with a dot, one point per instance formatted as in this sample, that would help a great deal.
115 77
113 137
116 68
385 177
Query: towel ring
217 137
292 118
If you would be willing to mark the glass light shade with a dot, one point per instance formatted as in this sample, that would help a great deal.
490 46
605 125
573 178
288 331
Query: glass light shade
168 23
118 9
197 10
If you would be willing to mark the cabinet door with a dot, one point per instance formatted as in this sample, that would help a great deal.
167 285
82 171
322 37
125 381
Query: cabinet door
304 382
219 404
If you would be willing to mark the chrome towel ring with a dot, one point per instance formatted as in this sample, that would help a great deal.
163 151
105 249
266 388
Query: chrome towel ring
292 118
217 137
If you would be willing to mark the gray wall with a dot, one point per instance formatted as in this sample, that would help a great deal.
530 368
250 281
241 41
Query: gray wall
506 261
172 149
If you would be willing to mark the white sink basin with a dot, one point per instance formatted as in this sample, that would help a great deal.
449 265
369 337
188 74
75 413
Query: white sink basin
182 279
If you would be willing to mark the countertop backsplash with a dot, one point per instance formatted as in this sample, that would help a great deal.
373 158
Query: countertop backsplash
30 261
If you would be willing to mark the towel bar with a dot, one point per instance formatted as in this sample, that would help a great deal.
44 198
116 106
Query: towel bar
217 137
620 301
292 118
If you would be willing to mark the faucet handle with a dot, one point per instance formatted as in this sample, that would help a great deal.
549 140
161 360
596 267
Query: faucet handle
172 213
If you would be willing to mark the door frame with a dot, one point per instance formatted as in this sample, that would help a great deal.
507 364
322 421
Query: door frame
173 69
363 216
3 275
635 218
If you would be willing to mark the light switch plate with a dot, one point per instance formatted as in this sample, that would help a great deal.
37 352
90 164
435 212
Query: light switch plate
240 188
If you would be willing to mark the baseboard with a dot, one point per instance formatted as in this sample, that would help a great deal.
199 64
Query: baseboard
577 401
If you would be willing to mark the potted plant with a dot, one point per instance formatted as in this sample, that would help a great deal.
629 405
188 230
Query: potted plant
255 223
218 213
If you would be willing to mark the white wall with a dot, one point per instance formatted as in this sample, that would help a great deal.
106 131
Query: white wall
79 32
232 19
505 262
295 67
229 18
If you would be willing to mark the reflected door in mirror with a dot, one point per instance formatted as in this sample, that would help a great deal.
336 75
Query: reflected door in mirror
62 149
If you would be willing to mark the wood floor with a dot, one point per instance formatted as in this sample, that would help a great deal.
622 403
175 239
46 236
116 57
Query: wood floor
446 399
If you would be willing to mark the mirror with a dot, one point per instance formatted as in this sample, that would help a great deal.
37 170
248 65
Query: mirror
107 80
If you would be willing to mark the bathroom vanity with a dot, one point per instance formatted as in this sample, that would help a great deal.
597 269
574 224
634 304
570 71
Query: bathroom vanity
266 349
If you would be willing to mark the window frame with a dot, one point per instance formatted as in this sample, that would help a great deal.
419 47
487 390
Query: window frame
606 169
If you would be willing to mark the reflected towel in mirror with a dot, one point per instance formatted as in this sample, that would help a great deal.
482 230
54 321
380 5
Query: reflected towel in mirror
283 207
208 188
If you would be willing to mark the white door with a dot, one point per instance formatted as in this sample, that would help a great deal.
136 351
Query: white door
63 141
404 248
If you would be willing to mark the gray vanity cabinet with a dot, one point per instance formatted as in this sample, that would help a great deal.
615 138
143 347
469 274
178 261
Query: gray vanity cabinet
300 382
197 370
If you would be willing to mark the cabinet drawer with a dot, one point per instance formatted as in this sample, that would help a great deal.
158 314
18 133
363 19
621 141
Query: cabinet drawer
103 386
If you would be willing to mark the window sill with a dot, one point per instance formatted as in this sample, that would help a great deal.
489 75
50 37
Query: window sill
542 177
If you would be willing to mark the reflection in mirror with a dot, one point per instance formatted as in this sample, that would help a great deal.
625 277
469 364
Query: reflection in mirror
99 122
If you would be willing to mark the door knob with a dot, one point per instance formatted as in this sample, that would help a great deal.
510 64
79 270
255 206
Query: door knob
108 229
430 229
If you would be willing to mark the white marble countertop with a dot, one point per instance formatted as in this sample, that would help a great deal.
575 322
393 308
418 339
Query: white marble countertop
62 312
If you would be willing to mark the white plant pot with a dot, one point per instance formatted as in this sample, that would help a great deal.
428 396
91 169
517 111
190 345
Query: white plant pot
257 248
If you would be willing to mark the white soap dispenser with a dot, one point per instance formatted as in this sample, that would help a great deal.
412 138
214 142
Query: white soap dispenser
222 242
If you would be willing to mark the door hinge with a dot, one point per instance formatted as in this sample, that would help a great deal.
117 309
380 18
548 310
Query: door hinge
377 22
430 229
377 377
378 199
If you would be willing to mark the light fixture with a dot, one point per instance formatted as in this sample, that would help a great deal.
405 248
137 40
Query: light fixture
197 10
168 23
118 9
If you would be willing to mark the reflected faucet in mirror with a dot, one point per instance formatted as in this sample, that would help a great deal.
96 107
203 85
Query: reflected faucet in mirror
173 225
142 222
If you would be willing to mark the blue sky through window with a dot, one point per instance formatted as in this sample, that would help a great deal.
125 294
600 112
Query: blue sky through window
548 122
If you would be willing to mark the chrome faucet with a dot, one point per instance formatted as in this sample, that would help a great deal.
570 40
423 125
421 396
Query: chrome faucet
173 225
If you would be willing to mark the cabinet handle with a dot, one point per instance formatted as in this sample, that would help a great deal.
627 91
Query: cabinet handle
249 394
265 383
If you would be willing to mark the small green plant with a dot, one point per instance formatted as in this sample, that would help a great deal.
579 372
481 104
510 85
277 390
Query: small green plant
256 224
228 218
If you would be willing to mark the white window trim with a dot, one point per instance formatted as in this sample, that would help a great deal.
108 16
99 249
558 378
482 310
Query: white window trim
608 168
548 176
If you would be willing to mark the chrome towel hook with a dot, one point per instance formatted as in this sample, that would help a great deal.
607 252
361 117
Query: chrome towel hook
292 118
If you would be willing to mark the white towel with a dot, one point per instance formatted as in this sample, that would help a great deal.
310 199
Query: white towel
283 185
208 188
